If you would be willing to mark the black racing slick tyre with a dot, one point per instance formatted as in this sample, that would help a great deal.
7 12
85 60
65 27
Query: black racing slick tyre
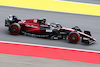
14 29
73 37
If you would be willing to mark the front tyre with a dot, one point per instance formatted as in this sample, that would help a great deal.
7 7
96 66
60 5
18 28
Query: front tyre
73 37
14 29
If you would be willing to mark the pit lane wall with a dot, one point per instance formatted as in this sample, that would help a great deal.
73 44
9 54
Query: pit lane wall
53 5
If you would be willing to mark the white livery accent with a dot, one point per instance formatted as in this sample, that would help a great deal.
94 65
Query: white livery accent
47 30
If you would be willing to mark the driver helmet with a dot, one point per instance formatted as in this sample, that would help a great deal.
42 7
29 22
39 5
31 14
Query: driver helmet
44 20
9 16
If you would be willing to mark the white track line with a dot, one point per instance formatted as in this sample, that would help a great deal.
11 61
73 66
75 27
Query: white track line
50 10
50 46
79 2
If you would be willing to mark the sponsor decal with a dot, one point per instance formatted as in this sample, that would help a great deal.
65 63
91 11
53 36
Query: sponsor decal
31 26
35 20
48 30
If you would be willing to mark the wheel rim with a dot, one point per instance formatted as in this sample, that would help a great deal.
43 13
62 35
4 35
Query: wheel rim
14 29
73 38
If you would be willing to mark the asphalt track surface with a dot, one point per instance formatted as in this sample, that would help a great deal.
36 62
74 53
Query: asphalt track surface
85 22
24 61
85 1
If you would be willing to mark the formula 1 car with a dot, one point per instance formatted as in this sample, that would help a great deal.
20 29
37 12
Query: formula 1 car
39 28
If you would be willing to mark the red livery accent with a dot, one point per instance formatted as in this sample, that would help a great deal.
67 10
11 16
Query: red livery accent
31 25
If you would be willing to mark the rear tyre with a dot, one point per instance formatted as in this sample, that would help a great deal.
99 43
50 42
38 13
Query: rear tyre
73 37
14 29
